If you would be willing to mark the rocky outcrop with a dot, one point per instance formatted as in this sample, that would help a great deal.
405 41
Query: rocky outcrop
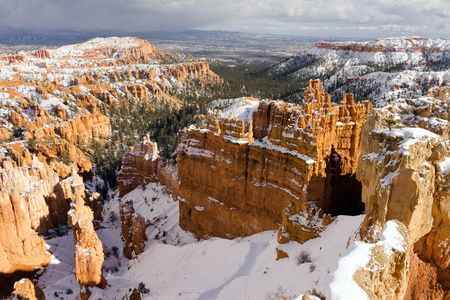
25 289
142 165
85 129
20 247
386 274
168 177
236 178
34 199
139 166
301 226
404 174
88 248
4 134
133 230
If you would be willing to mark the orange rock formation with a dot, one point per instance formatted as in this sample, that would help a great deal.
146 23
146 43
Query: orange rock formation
405 176
139 166
236 178
88 247
133 230
25 289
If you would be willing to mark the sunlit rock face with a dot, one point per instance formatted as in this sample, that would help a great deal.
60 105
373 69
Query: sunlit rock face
139 166
236 177
133 228
88 247
404 172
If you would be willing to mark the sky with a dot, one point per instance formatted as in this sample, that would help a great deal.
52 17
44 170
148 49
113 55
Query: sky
350 18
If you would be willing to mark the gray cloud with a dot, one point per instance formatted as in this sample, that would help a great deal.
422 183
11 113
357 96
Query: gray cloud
306 17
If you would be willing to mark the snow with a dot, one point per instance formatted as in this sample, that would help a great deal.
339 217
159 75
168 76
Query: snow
409 136
199 152
339 284
241 108
266 144
444 167
176 265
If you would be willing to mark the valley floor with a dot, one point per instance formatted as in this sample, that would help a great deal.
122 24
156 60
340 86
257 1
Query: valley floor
175 265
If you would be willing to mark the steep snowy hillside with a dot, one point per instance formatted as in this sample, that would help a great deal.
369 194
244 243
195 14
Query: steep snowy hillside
175 265
378 70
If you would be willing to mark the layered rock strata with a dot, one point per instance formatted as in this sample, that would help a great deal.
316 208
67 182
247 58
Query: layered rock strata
404 172
407 44
139 166
236 177
143 164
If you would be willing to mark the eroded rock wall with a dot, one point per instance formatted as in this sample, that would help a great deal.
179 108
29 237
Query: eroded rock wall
34 199
139 166
236 177
405 176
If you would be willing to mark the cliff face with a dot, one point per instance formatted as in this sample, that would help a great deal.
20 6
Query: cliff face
139 166
404 174
236 177
412 44
34 199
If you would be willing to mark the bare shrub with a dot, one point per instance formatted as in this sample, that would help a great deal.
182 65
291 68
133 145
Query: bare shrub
280 293
303 257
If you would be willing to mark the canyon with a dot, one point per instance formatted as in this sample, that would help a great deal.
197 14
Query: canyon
400 173
54 106
259 193
381 70
249 174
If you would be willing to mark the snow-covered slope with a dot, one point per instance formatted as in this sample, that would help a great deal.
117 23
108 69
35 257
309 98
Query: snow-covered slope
175 265
241 108
378 70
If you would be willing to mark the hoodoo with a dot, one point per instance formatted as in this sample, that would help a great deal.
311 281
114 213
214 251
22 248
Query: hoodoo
236 176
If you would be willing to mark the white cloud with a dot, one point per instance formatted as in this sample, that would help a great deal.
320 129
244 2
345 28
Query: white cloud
334 16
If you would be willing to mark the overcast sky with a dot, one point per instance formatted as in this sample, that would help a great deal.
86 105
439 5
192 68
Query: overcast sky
350 18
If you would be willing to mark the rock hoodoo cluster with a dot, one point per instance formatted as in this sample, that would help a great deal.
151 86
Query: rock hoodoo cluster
237 177
54 106
290 164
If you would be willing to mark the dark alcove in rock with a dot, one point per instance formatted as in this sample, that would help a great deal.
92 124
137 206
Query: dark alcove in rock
342 194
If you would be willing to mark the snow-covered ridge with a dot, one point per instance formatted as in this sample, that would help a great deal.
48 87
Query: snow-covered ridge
393 44
400 50
379 70
116 45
